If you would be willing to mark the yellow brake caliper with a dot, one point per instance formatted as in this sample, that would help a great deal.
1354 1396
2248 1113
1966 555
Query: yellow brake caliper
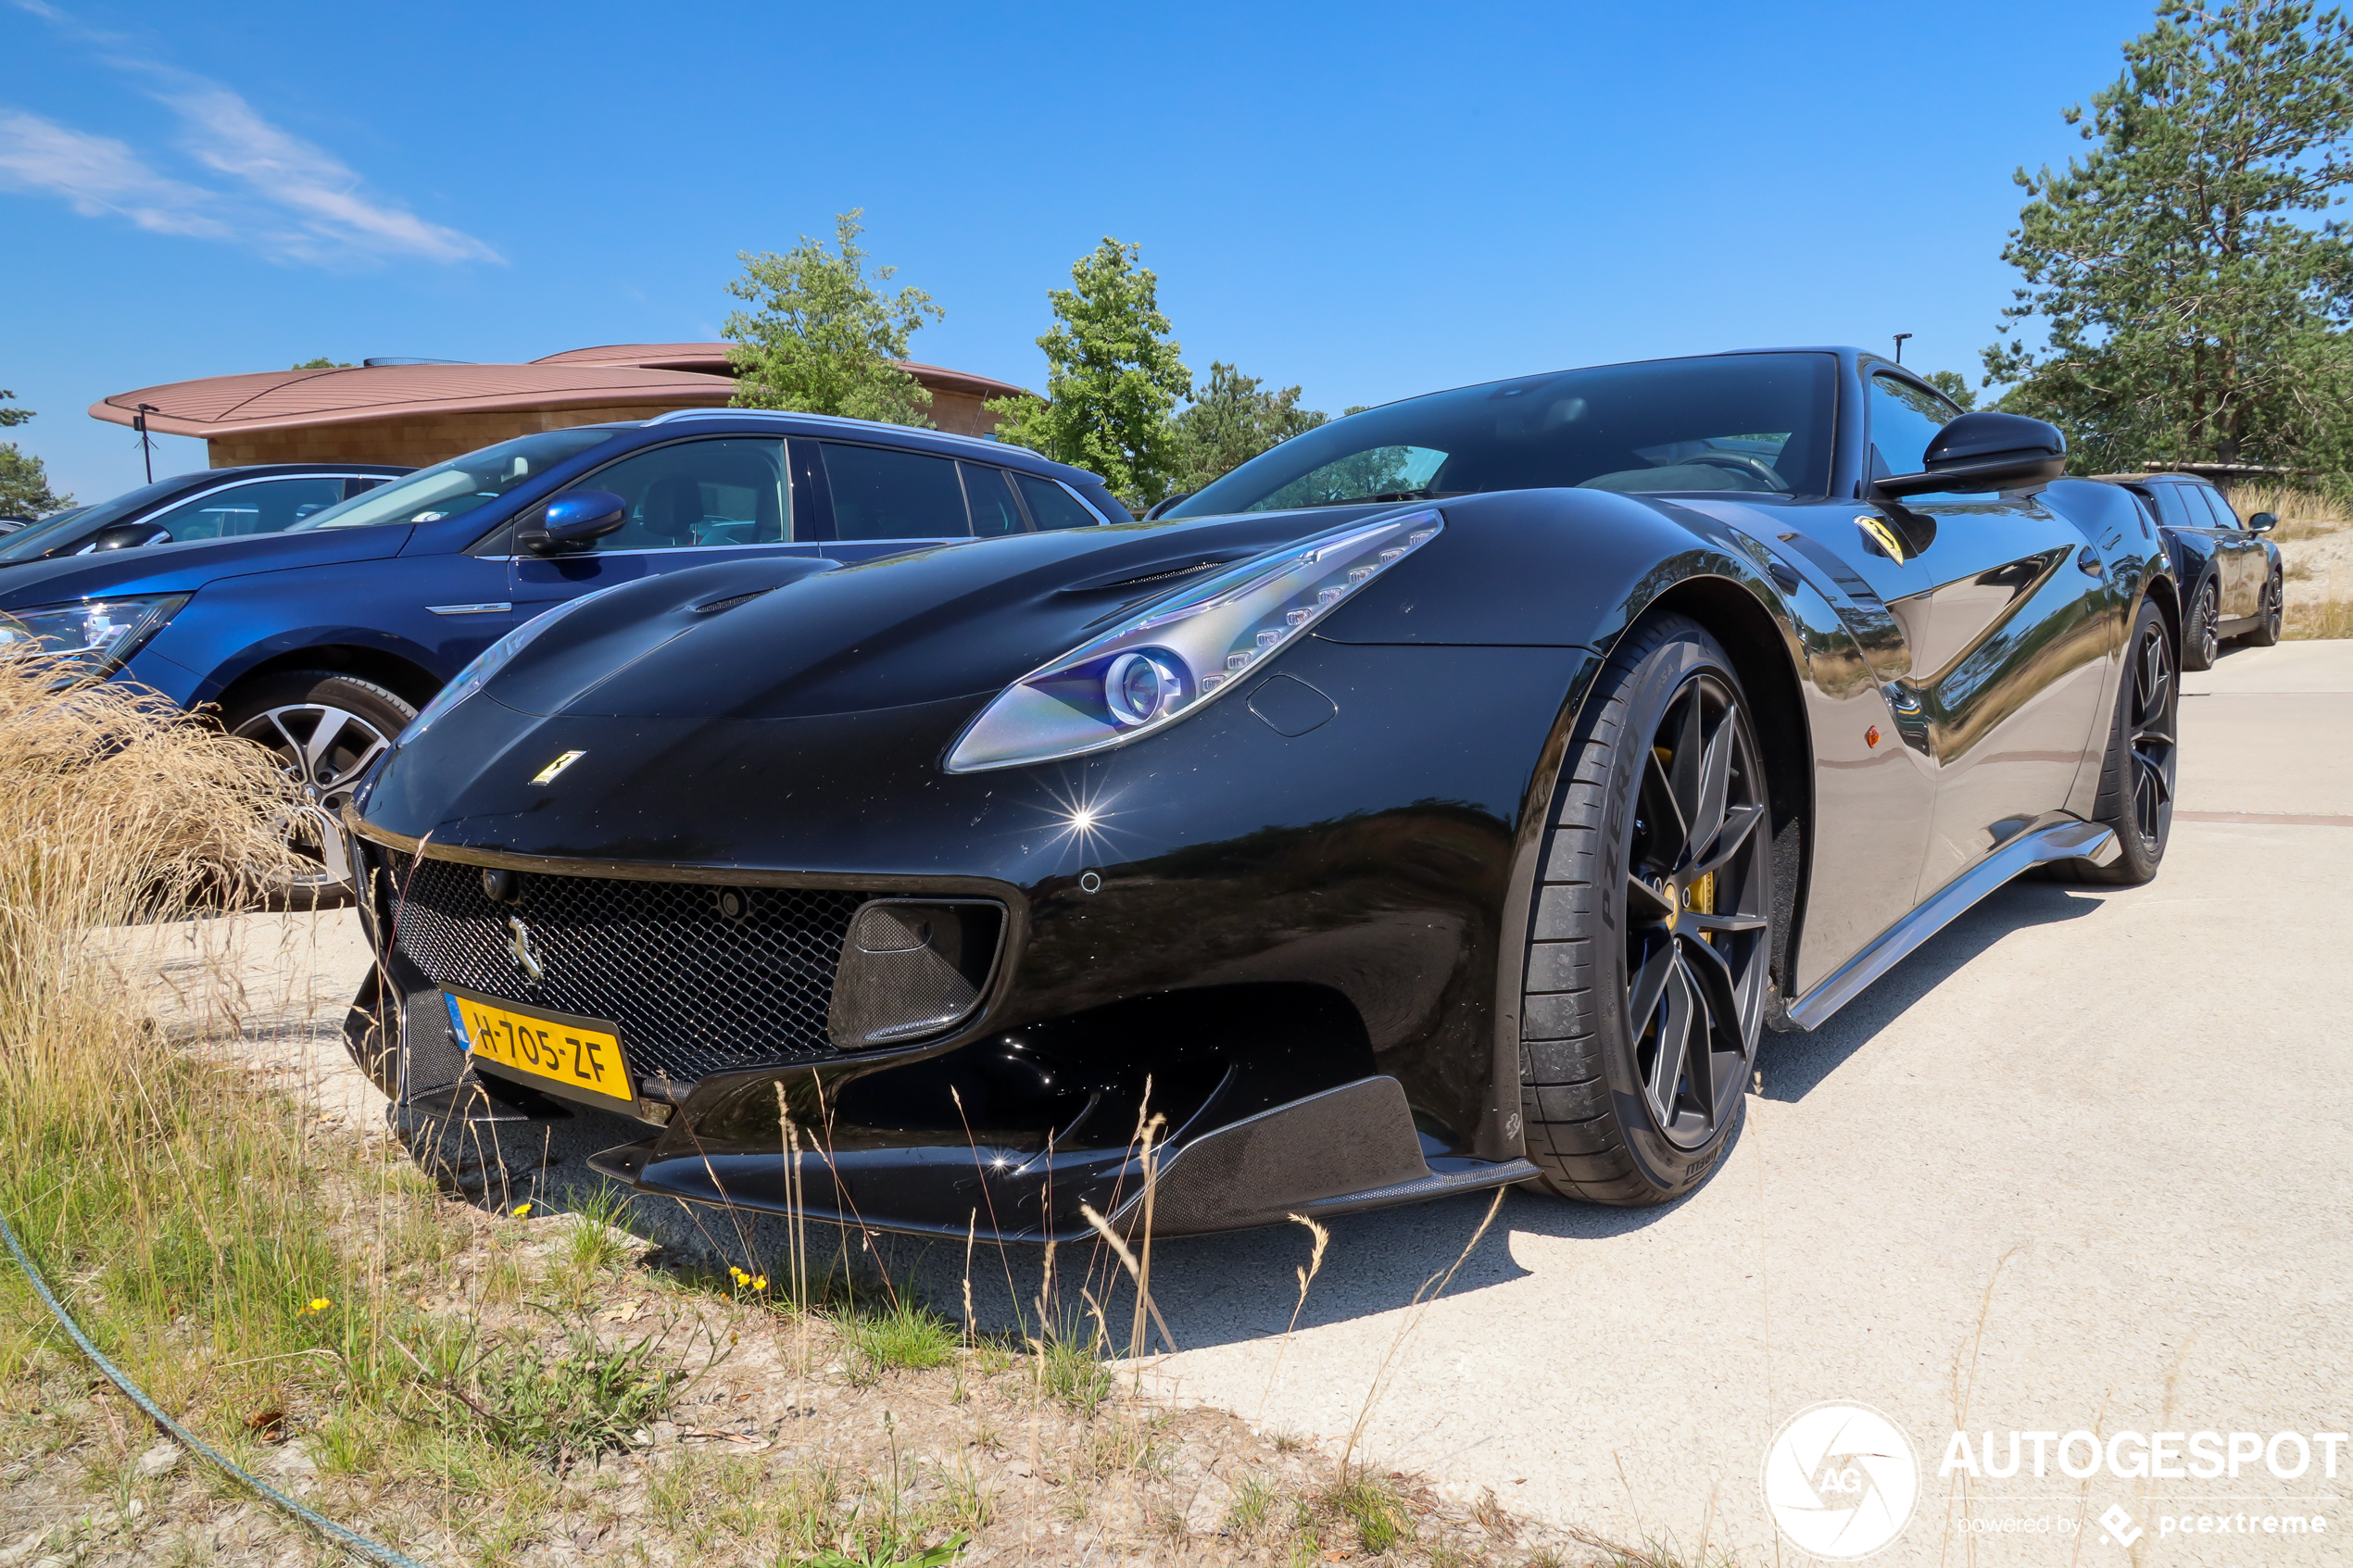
1700 895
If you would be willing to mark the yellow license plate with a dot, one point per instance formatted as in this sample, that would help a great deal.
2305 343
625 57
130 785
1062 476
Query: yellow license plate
578 1057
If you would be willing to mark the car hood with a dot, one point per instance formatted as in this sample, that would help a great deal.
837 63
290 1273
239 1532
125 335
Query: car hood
182 567
815 639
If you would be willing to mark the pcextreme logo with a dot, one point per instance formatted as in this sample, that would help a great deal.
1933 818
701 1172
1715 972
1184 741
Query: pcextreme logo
1841 1480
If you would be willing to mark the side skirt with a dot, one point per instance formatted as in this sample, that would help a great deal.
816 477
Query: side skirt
2060 841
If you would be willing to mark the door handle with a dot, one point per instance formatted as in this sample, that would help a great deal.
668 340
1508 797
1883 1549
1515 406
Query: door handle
2087 560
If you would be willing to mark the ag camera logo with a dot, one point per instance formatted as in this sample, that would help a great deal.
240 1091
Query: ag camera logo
1841 1480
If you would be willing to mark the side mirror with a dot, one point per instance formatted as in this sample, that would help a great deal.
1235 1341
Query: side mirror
2262 522
1985 451
130 536
573 519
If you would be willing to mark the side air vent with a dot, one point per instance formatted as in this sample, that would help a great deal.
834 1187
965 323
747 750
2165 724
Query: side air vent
713 607
912 968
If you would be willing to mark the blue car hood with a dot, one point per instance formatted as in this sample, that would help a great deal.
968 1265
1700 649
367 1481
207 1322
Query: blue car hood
180 569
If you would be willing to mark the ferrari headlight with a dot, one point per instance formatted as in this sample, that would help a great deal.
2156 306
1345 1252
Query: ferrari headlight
489 661
98 631
1168 660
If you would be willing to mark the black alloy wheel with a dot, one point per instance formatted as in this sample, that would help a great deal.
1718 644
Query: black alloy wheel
326 730
2202 643
1696 913
1651 944
2136 777
2153 701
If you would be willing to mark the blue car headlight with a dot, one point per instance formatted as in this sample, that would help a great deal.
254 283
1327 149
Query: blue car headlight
101 633
1173 656
488 662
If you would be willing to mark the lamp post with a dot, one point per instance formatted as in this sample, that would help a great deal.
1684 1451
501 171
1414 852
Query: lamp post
1899 346
146 447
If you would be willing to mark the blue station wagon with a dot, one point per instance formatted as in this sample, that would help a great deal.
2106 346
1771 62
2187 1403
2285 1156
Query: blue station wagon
323 641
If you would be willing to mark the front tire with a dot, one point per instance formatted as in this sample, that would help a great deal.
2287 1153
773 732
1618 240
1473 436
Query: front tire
1651 941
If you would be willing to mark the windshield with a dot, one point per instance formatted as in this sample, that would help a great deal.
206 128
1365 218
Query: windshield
1758 422
36 539
461 484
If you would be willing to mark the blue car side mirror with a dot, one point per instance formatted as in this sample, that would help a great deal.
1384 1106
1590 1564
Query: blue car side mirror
573 519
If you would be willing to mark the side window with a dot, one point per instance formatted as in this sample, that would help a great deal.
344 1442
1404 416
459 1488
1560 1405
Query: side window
264 506
729 491
2224 517
2171 510
882 493
990 493
1905 419
359 484
1050 506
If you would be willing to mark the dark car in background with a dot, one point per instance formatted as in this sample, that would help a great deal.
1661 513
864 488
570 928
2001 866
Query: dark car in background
323 640
1447 797
212 504
2230 575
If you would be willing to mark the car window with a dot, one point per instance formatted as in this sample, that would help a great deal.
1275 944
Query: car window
1757 422
1050 506
882 493
690 494
2170 511
1905 419
2224 517
266 506
461 484
989 494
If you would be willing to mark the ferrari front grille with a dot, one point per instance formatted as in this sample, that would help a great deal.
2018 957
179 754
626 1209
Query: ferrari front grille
700 979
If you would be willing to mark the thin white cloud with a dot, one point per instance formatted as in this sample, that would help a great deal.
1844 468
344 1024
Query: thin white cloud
297 202
224 133
98 175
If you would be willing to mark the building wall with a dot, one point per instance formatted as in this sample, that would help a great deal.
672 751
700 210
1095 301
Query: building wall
421 439
415 440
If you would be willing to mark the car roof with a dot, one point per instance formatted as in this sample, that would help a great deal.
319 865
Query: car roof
947 445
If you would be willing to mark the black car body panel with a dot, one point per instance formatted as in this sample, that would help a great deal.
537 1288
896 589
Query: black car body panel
1300 913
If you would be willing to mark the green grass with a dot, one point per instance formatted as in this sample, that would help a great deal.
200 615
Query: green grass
1374 1509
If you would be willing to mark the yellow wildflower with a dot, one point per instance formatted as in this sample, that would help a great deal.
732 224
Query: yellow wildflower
521 1210
760 1283
318 1304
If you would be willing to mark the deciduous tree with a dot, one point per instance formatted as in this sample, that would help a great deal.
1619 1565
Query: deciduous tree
2193 297
1113 377
822 337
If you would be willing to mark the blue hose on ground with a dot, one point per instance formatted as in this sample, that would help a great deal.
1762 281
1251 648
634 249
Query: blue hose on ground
359 1545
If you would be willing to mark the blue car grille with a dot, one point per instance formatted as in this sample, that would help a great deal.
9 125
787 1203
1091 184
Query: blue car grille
700 979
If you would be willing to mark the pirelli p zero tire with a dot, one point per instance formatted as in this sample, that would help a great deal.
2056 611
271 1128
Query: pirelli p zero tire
1650 939
326 729
2136 776
2201 642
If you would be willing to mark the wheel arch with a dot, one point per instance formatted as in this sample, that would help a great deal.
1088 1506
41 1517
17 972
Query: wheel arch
405 678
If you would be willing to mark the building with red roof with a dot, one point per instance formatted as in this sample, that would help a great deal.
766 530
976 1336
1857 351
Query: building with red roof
419 412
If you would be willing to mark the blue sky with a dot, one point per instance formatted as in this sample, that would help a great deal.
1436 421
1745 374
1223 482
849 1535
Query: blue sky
1371 199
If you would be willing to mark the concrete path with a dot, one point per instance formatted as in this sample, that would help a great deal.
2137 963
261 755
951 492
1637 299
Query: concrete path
2081 1164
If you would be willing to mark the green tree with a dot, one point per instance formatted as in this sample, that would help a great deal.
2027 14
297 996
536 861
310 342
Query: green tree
1955 385
1230 421
24 484
822 337
2193 302
1113 377
24 479
324 363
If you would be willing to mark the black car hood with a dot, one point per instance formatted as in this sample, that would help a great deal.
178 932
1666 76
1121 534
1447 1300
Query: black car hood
814 638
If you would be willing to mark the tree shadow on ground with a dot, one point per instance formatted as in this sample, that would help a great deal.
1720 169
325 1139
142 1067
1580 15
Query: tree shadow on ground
1211 1290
